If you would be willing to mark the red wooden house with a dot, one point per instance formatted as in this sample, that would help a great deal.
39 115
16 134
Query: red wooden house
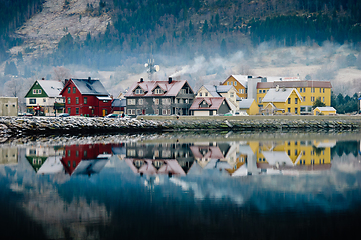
86 97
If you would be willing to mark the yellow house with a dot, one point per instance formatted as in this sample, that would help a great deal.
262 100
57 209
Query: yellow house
308 90
282 101
249 106
324 111
239 82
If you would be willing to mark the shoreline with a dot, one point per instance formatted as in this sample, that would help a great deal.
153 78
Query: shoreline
14 127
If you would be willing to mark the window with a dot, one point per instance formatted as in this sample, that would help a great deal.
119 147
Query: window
77 111
37 91
200 94
303 98
139 112
313 90
296 101
312 99
260 91
74 89
69 110
300 90
156 111
164 111
320 90
69 100
69 89
289 100
259 99
32 101
232 94
158 91
235 83
85 100
131 101
131 111
76 100
185 100
139 91
323 99
44 100
323 90
296 110
140 101
166 101
241 90
289 110
156 101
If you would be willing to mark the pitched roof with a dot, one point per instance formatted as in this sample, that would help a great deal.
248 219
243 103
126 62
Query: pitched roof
279 96
242 79
89 87
214 103
245 103
295 84
51 87
327 109
171 89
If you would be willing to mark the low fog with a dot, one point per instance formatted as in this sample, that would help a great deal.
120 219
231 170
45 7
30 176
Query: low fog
330 62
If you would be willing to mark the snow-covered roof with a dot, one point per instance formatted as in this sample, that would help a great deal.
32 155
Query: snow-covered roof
242 79
281 157
279 95
51 87
246 103
90 87
326 109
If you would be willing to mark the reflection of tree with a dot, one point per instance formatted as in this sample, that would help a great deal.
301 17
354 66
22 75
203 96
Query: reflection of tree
345 147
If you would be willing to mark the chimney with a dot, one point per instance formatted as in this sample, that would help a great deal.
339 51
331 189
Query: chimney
141 80
65 82
89 78
43 79
169 80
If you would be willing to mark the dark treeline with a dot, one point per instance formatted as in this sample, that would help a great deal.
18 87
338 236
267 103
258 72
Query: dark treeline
190 27
345 104
13 13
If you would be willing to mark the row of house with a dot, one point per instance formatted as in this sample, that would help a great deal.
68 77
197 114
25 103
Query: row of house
237 94
82 97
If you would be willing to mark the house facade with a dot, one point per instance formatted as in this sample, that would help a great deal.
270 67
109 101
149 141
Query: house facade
282 101
8 106
210 106
248 106
240 84
159 98
44 98
86 97
308 90
324 111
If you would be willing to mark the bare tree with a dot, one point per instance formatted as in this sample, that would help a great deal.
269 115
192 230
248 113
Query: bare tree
13 87
61 73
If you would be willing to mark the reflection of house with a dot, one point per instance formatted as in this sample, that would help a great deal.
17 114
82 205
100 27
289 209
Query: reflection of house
44 96
159 97
75 154
209 106
9 155
86 97
211 156
163 151
37 156
152 167
51 165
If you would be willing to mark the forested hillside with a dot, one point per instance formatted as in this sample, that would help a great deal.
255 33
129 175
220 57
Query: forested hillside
13 13
191 27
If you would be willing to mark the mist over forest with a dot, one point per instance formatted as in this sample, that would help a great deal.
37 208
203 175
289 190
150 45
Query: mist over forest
202 42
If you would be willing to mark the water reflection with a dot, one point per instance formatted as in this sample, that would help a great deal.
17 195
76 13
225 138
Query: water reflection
106 190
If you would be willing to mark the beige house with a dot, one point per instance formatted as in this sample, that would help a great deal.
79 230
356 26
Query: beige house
8 106
227 91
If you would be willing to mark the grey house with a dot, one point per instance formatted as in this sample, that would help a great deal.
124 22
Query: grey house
159 98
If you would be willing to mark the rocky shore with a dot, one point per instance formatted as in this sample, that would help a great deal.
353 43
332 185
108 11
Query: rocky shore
24 126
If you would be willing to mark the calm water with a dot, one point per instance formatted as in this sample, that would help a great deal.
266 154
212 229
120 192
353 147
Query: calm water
289 186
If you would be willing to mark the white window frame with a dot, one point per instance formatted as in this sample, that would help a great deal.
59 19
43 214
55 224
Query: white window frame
131 101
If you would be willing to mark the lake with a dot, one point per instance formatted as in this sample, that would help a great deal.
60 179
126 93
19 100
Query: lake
194 185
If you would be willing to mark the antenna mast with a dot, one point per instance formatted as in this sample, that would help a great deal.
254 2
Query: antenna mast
151 67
